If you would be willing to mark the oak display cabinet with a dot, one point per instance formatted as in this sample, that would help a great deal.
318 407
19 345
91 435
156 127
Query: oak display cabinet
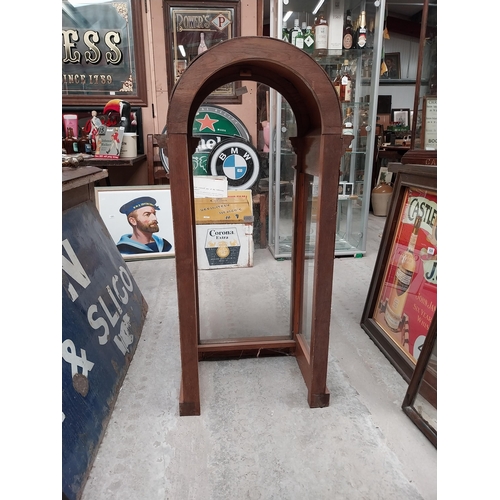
318 145
356 164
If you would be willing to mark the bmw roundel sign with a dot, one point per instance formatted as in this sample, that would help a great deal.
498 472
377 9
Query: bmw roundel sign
237 160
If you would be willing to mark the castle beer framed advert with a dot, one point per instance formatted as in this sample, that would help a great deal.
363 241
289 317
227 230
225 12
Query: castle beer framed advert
407 300
402 299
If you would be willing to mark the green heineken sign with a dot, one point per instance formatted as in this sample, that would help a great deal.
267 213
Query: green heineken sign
212 125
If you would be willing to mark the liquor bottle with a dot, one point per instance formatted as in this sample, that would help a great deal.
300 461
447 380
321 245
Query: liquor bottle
346 83
203 46
321 32
285 34
299 37
309 40
84 145
71 142
348 126
338 79
295 31
348 32
370 34
361 39
304 28
404 273
355 27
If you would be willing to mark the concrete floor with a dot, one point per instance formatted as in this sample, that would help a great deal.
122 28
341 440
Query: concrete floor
256 437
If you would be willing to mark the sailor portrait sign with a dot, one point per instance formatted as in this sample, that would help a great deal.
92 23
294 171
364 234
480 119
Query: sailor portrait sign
192 28
102 52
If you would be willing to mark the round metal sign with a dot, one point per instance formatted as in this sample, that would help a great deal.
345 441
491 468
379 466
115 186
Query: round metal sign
217 121
212 124
238 161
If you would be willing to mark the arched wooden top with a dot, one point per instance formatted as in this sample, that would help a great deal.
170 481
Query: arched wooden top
278 64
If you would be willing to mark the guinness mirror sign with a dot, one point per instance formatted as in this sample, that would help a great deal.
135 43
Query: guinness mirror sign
102 52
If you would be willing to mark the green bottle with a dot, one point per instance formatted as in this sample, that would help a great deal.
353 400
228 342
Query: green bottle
299 40
296 31
309 40
285 34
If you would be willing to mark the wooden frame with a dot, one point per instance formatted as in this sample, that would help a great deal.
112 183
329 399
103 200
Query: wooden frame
401 115
409 179
318 146
422 389
428 135
103 53
109 200
392 61
384 176
186 22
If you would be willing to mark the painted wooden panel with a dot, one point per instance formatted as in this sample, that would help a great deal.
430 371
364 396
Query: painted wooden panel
103 312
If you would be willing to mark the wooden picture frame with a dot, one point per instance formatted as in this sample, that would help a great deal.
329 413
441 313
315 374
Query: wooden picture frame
191 24
420 402
393 64
414 193
103 53
109 201
429 123
384 176
401 115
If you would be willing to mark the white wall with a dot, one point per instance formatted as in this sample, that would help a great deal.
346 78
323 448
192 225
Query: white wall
403 95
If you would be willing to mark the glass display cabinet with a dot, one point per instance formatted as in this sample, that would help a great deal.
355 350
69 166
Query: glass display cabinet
359 114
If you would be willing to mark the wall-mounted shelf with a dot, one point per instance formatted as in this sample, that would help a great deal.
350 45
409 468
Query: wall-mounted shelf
393 81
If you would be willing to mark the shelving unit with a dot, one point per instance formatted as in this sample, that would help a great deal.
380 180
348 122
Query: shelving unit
356 164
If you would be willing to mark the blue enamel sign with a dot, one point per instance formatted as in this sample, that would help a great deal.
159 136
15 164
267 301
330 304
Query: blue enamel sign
103 312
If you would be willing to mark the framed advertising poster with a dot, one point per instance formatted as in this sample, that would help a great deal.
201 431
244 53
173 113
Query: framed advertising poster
406 301
429 123
402 299
102 52
139 220
192 28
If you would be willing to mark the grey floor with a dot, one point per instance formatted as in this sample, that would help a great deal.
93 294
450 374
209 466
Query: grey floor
256 437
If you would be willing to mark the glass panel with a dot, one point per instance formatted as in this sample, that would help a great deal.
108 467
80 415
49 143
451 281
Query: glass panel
424 114
264 282
264 310
426 128
283 185
425 403
309 263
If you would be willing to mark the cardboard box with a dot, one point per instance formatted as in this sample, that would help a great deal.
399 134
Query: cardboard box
210 186
109 145
224 230
220 246
236 207
336 15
